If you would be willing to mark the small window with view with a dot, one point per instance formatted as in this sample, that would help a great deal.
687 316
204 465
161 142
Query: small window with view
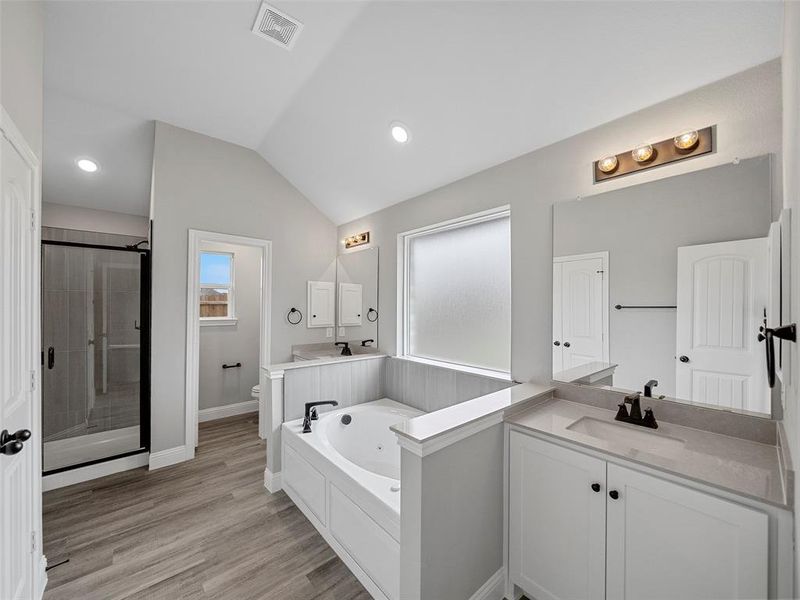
216 286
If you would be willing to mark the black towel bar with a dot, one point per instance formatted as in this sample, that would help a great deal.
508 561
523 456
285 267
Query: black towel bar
620 306
236 366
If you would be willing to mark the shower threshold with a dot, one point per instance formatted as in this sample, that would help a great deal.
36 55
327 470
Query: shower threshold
81 449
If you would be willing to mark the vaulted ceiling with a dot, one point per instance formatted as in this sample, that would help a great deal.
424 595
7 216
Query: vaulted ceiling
476 82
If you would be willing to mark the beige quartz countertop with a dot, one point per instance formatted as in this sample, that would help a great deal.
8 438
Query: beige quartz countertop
729 463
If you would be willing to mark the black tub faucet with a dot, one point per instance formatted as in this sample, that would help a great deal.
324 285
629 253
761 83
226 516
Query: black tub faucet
648 388
345 348
366 343
309 417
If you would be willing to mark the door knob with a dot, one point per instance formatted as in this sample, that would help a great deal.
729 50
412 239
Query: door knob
684 358
595 487
614 494
566 344
51 357
12 443
556 343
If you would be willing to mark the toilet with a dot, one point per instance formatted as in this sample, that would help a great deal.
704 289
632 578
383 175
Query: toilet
255 392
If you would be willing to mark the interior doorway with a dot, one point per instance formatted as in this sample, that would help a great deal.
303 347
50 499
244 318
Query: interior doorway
215 302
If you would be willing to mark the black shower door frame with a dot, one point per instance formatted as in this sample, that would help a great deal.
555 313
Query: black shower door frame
145 286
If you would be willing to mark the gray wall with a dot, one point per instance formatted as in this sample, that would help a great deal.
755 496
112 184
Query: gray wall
642 228
452 526
233 343
89 219
359 267
791 182
21 67
746 109
204 183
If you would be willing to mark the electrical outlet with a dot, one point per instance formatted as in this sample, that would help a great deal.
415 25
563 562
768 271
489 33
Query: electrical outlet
341 331
329 332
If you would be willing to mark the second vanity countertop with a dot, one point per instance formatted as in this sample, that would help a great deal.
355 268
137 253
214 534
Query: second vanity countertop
729 463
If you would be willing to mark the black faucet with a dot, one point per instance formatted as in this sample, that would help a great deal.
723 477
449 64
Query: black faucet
648 388
345 348
635 416
311 413
365 343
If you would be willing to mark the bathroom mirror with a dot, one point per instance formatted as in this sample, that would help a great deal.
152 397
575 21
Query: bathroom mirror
357 315
661 287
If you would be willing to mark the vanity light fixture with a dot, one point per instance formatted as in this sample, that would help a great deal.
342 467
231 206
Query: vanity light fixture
642 153
400 133
687 144
357 240
608 164
686 140
87 165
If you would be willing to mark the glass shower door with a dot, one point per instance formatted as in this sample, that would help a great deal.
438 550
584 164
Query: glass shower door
93 372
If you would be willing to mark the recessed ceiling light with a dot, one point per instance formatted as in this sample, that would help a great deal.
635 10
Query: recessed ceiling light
400 133
87 164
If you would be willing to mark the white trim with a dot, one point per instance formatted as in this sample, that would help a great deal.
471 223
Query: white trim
170 456
403 239
448 438
196 239
603 256
272 481
218 321
493 588
89 472
40 578
228 410
501 375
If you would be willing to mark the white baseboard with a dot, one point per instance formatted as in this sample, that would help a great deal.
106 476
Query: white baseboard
165 458
89 472
493 589
229 410
272 481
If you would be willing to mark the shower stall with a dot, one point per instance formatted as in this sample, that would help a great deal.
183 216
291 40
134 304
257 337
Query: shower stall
95 353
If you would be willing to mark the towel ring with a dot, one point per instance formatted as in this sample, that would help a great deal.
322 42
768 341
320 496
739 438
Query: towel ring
369 314
290 313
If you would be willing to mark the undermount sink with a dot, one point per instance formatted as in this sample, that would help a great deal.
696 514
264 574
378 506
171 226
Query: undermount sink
628 435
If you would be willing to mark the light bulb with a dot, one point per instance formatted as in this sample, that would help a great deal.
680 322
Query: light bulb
686 139
642 153
607 164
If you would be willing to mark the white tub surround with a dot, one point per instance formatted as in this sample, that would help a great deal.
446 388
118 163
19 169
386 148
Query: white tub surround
662 491
433 431
348 380
346 480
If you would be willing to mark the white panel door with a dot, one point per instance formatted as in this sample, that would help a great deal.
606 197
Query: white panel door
582 304
321 303
666 542
722 296
350 304
17 372
557 521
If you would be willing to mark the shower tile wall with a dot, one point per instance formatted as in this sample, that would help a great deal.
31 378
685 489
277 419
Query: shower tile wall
66 310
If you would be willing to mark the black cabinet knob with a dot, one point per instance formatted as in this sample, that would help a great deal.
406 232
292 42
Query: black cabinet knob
556 343
595 487
684 358
566 344
614 494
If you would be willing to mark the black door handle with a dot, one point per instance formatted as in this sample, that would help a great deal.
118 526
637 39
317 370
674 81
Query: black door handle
595 487
614 494
51 357
12 443
566 344
684 358
556 343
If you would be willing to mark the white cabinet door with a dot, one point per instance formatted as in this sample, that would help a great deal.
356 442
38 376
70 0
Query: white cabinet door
722 295
557 521
666 542
321 303
558 360
350 303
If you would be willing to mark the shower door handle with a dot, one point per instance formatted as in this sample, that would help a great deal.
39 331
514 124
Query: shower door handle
51 357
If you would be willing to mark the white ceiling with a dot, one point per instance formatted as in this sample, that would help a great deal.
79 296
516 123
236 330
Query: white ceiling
477 83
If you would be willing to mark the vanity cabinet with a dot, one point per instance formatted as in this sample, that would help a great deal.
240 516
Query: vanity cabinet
581 527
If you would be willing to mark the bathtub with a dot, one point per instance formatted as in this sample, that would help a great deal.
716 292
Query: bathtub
346 479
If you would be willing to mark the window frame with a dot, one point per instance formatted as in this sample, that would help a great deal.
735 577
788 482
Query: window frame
403 300
231 318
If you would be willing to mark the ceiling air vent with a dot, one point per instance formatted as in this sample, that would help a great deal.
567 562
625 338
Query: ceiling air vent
276 26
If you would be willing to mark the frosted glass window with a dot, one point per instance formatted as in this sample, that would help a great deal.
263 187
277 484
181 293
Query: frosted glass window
458 296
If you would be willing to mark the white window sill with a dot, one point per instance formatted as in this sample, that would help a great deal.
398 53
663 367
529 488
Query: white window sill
217 322
456 367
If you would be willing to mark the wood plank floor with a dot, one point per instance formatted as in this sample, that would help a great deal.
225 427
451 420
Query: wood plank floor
198 530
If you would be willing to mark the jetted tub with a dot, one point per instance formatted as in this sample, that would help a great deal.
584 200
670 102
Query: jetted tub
345 477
